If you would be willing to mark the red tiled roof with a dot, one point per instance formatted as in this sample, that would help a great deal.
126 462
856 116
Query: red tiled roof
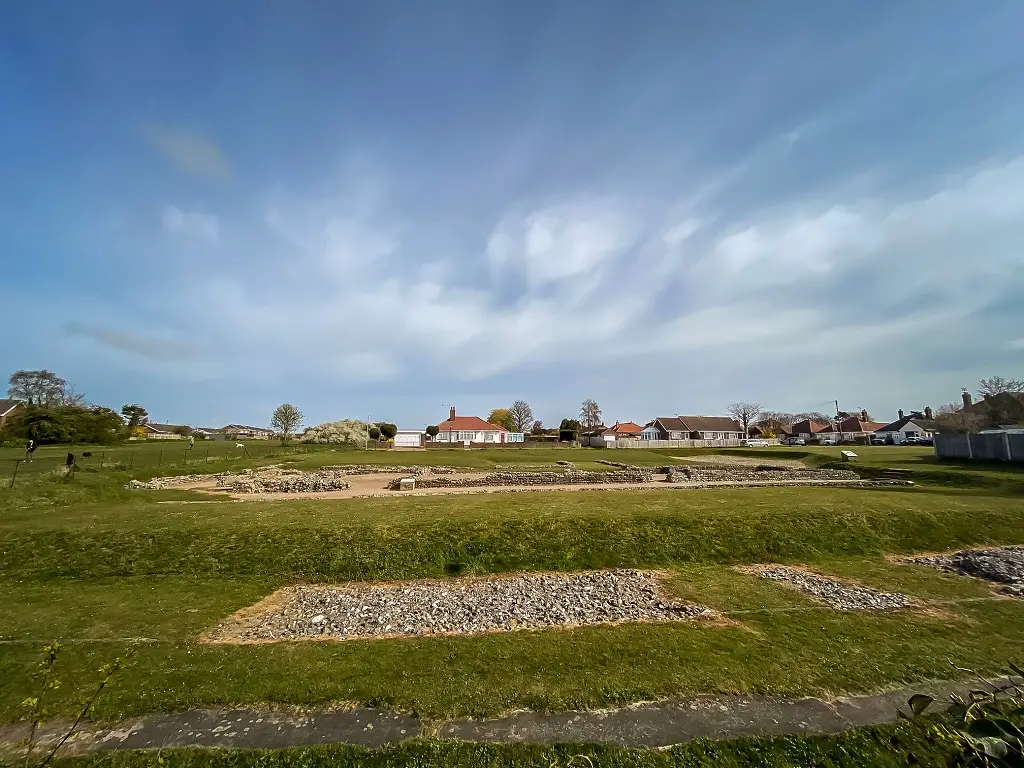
807 427
468 424
625 428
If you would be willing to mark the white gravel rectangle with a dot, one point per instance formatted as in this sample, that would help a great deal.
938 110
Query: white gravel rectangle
456 606
841 595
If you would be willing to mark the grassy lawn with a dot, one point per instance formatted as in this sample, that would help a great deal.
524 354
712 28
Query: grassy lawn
113 572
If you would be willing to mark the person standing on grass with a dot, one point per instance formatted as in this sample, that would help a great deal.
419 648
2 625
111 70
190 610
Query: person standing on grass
191 442
30 449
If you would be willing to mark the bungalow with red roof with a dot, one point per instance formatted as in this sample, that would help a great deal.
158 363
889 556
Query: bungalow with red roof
850 430
620 430
473 429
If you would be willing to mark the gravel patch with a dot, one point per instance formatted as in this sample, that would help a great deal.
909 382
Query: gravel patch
837 594
458 606
1001 565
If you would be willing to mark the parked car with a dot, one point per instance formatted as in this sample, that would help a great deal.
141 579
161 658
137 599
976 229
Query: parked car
755 443
794 441
877 440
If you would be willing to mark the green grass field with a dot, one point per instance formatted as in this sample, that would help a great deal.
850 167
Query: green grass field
111 572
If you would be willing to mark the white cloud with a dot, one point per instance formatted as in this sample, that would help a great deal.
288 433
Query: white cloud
562 242
190 223
356 298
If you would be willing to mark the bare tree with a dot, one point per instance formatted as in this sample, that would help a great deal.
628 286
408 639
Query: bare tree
43 388
775 421
997 385
285 419
815 416
538 427
590 414
522 415
953 418
744 413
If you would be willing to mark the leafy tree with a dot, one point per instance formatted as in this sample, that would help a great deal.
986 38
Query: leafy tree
997 385
432 431
502 417
285 419
136 416
68 424
538 427
744 413
184 431
373 433
521 414
388 430
569 430
43 388
590 414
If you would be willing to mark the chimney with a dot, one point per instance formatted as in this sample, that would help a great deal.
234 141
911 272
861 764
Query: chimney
864 414
928 413
967 399
451 413
901 413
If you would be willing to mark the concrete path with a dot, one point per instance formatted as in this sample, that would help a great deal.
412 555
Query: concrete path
657 724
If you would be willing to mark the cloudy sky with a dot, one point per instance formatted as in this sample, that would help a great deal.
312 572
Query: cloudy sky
386 208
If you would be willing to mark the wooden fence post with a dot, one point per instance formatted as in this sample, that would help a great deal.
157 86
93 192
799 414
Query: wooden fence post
160 458
17 463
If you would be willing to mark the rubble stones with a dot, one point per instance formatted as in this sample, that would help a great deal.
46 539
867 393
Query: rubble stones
1002 565
285 481
525 479
705 474
837 594
460 606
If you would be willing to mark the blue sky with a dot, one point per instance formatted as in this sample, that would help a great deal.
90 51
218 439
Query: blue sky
386 208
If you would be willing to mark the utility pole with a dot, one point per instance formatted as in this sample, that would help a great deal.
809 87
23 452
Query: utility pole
839 424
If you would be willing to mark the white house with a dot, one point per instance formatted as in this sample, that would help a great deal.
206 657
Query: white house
692 428
242 432
915 425
473 429
164 431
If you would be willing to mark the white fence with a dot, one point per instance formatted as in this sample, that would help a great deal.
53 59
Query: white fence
677 444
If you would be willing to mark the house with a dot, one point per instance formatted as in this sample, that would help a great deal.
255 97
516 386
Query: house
914 425
166 431
852 429
692 428
621 430
805 429
9 409
242 432
473 429
210 433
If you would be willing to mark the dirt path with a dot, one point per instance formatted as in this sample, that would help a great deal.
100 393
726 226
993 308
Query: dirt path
364 486
658 724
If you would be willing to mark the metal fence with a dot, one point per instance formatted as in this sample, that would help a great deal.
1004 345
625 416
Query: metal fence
991 446
146 456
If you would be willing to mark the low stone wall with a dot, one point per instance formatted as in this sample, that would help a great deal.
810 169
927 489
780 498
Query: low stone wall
375 469
526 479
285 481
704 474
618 464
